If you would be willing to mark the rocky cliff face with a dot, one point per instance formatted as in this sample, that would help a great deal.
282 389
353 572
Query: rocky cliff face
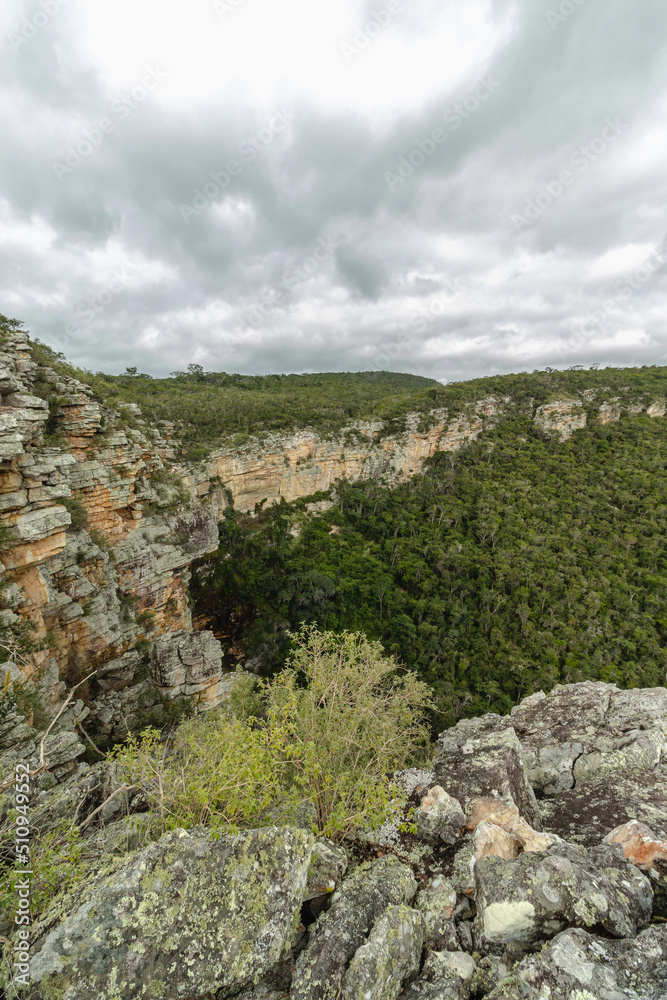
98 541
301 464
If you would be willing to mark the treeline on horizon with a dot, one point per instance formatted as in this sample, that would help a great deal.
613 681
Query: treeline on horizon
514 565
212 408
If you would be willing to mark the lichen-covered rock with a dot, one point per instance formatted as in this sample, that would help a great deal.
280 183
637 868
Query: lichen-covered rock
328 865
446 975
440 817
582 731
587 813
356 906
389 957
186 915
580 966
436 904
486 766
537 895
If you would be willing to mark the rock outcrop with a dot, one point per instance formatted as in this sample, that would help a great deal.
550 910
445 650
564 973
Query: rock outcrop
274 914
184 916
98 538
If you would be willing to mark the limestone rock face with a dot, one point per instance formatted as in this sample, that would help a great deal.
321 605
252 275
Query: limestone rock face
536 895
489 766
582 966
186 915
355 908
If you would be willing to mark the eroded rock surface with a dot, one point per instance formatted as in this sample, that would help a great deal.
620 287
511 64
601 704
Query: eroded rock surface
533 897
362 899
581 966
472 766
186 915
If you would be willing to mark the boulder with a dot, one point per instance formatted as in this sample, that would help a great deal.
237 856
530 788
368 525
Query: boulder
584 731
355 908
492 841
186 915
489 767
580 966
639 843
328 865
436 904
440 817
508 819
587 813
532 898
446 975
390 956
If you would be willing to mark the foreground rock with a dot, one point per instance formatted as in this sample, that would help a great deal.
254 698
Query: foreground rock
489 768
391 954
579 966
533 897
186 915
440 817
355 909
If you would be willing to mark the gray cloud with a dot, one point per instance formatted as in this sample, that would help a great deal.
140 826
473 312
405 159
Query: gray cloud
183 233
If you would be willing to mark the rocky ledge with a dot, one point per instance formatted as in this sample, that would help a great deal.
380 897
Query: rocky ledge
538 871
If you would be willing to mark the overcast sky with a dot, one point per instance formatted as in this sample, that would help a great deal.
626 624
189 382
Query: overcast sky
435 186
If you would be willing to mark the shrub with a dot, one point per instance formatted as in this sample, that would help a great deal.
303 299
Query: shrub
56 862
78 512
327 731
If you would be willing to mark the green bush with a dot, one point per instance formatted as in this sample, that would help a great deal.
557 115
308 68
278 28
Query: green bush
327 732
77 511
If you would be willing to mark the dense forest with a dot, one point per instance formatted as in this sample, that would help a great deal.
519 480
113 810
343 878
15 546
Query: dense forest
516 564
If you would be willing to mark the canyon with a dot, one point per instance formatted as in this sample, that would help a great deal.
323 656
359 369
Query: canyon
102 522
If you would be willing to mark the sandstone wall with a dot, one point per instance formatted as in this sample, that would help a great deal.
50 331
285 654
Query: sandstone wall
101 590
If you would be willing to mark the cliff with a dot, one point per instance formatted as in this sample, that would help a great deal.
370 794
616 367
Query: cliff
97 543
101 523
299 465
